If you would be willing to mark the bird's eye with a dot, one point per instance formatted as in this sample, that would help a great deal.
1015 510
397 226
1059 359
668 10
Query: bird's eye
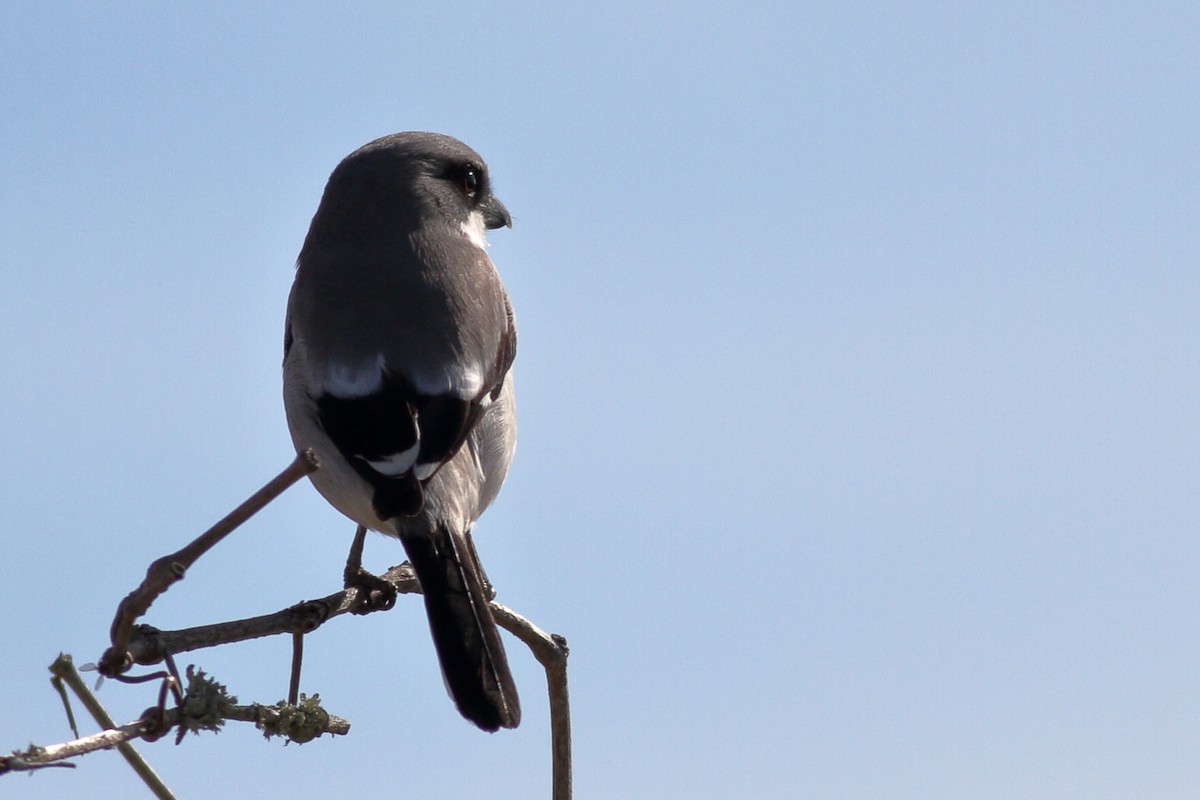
470 183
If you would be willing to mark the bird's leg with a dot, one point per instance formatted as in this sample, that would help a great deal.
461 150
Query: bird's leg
374 593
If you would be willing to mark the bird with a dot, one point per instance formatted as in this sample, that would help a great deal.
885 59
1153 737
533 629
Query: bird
398 348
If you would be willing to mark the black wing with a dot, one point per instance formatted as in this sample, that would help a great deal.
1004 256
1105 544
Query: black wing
397 438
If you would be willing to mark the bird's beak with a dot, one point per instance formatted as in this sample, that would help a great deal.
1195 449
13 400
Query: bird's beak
495 215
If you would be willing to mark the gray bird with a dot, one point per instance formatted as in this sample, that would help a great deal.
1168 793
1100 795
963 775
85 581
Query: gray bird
397 351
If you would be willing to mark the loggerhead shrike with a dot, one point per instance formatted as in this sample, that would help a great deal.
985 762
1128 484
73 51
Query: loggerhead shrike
397 351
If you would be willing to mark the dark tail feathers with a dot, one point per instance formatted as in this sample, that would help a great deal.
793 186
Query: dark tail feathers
464 633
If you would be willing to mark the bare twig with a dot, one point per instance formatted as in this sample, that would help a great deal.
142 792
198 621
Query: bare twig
149 645
551 651
206 707
169 569
297 661
36 757
61 688
119 736
64 670
300 718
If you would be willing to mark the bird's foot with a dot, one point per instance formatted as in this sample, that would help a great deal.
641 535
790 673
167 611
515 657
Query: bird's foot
374 593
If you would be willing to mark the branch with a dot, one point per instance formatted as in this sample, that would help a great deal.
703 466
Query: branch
64 672
149 645
171 568
271 719
551 651
206 706
299 721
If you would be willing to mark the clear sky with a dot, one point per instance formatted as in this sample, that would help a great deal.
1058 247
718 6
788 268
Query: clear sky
858 380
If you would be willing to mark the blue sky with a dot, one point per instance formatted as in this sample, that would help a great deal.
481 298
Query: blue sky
858 385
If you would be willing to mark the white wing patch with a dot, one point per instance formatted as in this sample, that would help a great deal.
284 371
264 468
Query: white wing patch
351 380
460 381
425 471
395 465
354 380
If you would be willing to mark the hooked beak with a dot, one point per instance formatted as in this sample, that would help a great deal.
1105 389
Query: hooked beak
495 215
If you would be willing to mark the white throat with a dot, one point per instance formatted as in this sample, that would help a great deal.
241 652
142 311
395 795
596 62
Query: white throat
476 230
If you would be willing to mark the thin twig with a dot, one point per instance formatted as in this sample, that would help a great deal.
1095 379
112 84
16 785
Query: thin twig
206 710
297 660
119 736
143 644
64 670
55 754
61 688
551 651
149 645
171 568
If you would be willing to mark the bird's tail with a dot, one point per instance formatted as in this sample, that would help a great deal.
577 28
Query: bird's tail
464 633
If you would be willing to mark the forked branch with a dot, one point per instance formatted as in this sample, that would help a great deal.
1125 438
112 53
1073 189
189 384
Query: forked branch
299 721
